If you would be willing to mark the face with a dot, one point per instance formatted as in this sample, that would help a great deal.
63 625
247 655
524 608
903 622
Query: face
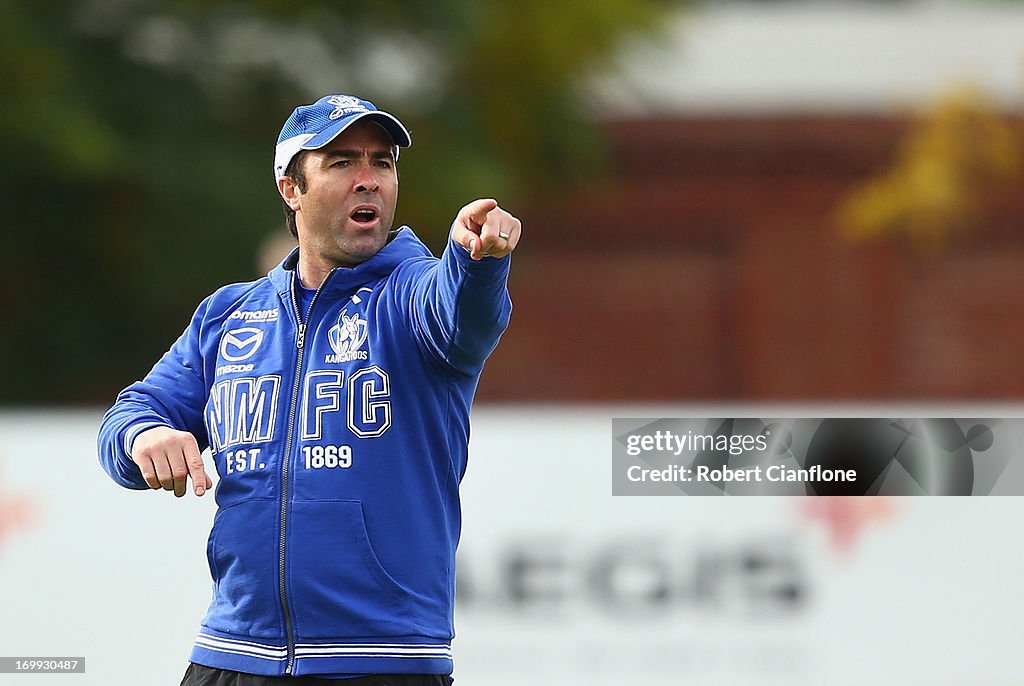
344 215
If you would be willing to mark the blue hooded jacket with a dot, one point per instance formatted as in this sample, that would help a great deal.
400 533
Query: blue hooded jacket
340 440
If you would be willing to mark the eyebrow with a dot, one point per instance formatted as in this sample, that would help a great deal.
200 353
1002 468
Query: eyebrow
376 154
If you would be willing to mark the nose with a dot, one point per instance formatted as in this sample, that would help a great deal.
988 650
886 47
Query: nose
366 181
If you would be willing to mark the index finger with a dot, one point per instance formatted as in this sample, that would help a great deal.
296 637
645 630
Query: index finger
196 469
477 210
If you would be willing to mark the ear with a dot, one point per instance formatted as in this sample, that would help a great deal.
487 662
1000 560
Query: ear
289 191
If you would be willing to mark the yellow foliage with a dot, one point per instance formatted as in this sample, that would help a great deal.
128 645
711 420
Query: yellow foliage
950 158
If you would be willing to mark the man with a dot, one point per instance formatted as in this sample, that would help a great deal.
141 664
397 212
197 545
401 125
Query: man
334 396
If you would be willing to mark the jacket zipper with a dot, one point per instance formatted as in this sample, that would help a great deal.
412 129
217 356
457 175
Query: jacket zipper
300 341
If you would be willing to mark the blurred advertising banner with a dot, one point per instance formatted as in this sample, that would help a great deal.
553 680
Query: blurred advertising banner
838 456
559 582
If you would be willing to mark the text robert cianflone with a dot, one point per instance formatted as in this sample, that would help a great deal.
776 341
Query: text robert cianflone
669 442
759 473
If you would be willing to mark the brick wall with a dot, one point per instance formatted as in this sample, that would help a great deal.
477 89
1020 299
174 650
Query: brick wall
706 265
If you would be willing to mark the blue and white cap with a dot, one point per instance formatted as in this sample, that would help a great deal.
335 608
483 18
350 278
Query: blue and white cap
313 126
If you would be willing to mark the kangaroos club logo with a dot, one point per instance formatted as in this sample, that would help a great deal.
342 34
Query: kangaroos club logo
344 104
348 337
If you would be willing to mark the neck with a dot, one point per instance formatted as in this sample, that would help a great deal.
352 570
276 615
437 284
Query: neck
312 271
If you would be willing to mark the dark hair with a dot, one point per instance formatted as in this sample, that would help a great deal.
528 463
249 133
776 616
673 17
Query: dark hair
296 172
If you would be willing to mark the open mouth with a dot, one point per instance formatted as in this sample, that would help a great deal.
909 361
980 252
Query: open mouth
364 215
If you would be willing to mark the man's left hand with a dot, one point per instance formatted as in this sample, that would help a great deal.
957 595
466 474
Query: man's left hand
483 228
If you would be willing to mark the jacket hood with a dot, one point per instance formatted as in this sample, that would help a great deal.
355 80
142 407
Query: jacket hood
404 245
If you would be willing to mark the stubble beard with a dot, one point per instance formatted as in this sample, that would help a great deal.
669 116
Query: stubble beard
348 250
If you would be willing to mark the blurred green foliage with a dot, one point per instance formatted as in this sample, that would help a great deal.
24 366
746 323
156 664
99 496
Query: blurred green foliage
138 139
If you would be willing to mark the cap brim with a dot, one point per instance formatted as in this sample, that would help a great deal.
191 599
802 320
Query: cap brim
400 136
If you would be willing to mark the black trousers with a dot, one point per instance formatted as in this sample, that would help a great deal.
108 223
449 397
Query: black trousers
200 675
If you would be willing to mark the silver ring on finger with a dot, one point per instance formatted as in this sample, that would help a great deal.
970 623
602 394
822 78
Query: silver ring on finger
502 234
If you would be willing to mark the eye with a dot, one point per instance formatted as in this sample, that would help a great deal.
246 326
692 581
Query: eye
384 164
342 163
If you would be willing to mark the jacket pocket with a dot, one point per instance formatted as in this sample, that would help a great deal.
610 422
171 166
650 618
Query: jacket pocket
338 587
243 556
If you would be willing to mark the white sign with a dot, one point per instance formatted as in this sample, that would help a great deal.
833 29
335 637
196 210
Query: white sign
560 582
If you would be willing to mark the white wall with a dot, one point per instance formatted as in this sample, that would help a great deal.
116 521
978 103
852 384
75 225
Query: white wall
796 56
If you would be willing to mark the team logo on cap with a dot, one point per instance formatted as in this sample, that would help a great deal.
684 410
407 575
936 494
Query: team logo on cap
344 104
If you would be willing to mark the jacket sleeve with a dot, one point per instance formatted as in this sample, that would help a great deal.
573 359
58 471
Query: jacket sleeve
173 394
460 307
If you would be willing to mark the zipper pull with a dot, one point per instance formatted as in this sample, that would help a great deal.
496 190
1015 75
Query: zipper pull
302 336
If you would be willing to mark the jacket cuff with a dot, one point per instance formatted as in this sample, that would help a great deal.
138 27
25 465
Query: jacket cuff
132 432
499 265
